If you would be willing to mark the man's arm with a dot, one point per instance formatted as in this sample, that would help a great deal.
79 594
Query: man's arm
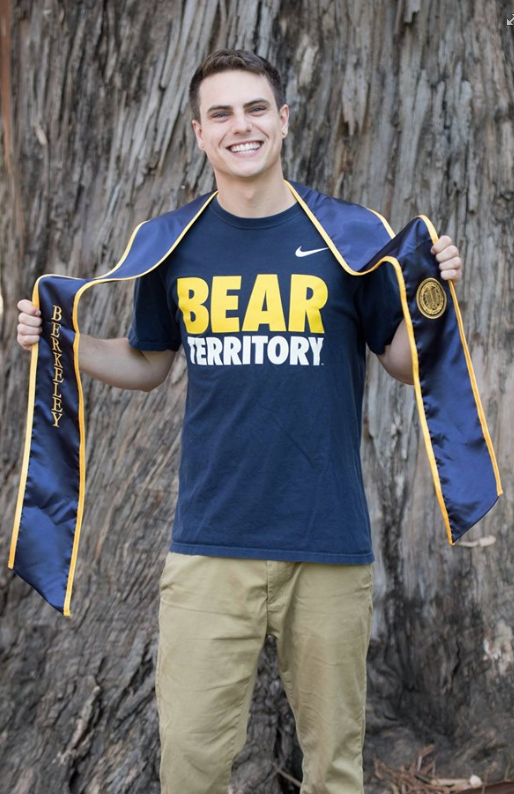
112 361
397 357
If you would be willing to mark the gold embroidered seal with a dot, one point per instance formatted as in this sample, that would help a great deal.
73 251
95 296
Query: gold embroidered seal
431 298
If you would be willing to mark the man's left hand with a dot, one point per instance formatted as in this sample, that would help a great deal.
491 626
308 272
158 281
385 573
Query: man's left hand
447 254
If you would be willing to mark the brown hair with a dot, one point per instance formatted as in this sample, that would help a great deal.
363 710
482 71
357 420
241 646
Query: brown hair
230 60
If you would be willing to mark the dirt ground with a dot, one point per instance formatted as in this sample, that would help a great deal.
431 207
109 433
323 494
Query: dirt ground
395 764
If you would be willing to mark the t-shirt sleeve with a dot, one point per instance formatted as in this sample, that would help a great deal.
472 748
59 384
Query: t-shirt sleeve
379 306
153 326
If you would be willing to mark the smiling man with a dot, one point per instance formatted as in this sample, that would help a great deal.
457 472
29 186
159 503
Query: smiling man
243 139
271 534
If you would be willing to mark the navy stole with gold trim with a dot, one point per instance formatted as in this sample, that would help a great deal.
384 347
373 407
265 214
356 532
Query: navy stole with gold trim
48 518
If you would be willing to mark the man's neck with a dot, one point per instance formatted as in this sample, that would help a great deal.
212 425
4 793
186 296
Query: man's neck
252 200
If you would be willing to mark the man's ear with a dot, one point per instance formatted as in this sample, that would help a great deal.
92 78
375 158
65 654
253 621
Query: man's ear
197 127
284 119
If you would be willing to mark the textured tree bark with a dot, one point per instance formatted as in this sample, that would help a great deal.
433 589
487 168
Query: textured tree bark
405 107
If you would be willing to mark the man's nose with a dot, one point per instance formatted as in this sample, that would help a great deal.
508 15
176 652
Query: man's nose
242 122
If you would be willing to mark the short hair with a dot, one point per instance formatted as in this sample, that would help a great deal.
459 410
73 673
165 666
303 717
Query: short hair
233 60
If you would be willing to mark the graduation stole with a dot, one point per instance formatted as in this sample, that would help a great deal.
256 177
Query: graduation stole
50 504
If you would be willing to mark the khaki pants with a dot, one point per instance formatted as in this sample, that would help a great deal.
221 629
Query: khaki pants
215 614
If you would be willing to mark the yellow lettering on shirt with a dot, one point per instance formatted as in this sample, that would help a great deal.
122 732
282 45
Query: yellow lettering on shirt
222 302
265 305
308 296
192 294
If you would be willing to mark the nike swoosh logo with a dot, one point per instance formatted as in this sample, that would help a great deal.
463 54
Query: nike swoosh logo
299 251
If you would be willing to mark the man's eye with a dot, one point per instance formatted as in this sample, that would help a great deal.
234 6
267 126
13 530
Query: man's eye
258 109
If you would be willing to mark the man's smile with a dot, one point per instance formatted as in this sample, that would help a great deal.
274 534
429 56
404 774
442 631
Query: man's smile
250 146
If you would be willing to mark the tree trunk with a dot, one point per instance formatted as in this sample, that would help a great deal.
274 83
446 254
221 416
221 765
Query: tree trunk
402 108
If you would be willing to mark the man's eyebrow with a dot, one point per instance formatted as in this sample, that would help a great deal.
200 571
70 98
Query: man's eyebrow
258 101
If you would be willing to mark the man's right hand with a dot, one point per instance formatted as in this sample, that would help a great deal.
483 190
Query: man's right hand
112 361
29 324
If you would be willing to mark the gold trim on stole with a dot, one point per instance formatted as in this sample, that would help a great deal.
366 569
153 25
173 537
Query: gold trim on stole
415 361
82 431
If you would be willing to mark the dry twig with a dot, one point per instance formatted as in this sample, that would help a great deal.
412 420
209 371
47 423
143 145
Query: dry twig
420 778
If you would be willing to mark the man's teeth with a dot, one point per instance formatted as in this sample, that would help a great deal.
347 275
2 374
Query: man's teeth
244 147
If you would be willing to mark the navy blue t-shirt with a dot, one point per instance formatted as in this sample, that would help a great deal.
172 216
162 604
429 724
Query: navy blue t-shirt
274 332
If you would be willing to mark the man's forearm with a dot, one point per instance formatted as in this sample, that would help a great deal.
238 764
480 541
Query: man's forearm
397 358
115 362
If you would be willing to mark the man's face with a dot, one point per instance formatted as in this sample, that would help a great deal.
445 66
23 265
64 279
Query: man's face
240 128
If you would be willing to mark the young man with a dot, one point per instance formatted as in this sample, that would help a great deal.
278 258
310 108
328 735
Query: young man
271 532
